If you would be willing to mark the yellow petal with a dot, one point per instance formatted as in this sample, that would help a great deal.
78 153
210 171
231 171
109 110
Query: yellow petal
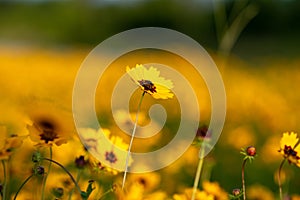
288 139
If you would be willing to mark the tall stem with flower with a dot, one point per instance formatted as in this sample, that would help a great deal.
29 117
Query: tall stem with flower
131 139
150 82
202 139
249 154
289 148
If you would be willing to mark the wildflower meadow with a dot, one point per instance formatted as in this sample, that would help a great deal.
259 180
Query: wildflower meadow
46 155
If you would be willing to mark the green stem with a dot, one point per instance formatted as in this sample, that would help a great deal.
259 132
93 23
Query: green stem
5 180
77 180
243 179
20 188
46 175
70 175
279 179
198 173
106 193
131 139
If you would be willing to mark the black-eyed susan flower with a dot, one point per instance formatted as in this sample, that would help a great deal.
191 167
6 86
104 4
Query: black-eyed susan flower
46 132
289 148
151 82
49 124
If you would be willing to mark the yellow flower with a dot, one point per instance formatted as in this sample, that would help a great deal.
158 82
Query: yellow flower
259 192
150 81
187 195
48 125
148 180
108 156
8 144
213 188
289 148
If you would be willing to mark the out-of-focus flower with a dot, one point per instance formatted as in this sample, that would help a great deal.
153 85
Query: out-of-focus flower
8 144
295 197
289 148
148 180
213 188
150 81
259 192
187 195
104 154
136 191
269 150
148 129
48 125
60 180
241 136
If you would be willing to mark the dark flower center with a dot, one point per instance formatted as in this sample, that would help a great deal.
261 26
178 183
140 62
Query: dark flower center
289 151
48 131
111 157
147 85
142 181
80 162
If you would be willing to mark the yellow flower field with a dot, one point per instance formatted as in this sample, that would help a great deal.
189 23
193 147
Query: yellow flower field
36 88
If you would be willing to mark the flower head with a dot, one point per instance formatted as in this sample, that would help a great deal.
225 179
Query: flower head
48 125
289 148
46 132
150 81
111 158
9 144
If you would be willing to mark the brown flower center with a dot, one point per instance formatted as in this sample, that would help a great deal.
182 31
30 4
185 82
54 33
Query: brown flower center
289 151
110 157
147 85
48 131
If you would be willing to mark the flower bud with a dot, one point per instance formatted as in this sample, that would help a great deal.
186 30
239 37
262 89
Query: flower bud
39 170
251 151
236 192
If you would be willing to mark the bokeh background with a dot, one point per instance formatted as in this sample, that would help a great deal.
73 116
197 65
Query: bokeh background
255 45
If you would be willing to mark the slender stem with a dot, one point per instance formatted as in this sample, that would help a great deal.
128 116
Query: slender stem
131 139
20 188
279 179
106 193
46 175
5 180
77 180
70 175
243 179
198 173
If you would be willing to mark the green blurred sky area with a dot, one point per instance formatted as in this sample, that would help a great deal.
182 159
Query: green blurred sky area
274 30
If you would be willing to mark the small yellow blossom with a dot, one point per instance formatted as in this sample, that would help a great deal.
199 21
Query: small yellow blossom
289 148
104 154
214 189
148 180
8 144
150 81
